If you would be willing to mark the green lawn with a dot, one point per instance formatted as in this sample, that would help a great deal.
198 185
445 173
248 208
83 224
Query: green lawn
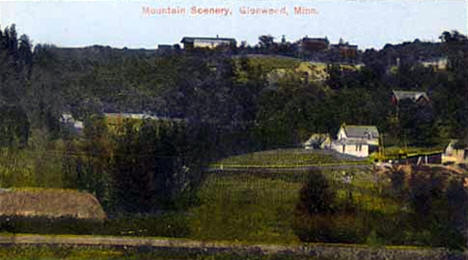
283 158
245 207
271 62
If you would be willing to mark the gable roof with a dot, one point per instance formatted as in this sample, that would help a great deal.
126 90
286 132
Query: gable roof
321 40
192 39
360 131
412 95
317 138
344 45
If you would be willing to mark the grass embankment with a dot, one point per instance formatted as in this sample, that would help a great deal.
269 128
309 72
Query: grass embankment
78 253
51 252
284 158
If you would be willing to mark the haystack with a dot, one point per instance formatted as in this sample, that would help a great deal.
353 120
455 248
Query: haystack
53 203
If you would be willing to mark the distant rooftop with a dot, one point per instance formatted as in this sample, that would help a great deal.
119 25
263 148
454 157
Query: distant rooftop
309 39
358 131
192 39
412 95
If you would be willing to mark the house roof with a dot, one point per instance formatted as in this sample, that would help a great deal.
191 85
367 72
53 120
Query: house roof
359 131
142 116
308 39
344 45
317 138
192 39
412 95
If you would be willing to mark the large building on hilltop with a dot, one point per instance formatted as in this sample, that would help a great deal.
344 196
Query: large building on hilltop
207 42
307 44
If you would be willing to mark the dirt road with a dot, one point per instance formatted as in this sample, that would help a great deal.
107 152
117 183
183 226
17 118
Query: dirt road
331 251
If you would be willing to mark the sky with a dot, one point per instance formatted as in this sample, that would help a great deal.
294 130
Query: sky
367 23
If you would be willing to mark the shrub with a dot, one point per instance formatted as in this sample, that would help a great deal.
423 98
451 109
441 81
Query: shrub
317 196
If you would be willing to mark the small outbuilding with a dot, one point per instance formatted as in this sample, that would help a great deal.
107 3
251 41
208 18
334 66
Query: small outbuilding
318 141
455 152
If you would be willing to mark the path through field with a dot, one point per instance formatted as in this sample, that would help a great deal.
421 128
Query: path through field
326 251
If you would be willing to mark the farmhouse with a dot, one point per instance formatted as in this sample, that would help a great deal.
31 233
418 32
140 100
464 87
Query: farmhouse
418 97
207 42
345 50
314 44
356 140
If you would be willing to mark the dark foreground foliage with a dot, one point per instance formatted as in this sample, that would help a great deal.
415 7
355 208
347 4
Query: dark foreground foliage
137 166
433 211
164 224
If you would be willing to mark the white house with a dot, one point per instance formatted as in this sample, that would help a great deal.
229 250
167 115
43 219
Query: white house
356 140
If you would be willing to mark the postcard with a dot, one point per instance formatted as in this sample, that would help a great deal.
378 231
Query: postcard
234 129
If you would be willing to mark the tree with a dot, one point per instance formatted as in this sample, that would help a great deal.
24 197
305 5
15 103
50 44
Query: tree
453 36
317 196
266 41
417 123
14 126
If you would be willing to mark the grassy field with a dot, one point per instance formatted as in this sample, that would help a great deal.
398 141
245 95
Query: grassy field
271 62
245 207
259 207
284 158
241 206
